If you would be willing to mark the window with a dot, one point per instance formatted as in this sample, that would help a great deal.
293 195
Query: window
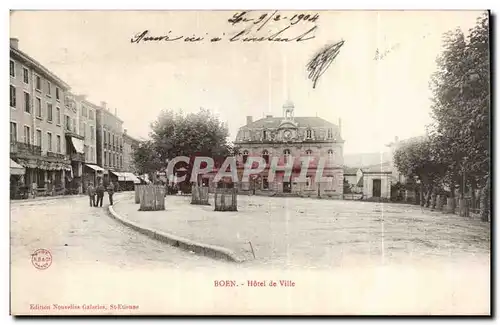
27 106
86 152
68 122
308 182
84 111
265 183
13 132
110 162
49 112
105 159
57 94
330 182
308 152
265 155
38 108
59 144
286 153
92 132
49 142
308 134
245 156
12 96
91 114
330 133
264 135
49 88
12 69
38 83
58 115
27 135
91 153
74 125
39 138
84 130
330 153
26 77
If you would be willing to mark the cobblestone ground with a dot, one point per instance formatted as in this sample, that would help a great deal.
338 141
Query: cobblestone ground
99 262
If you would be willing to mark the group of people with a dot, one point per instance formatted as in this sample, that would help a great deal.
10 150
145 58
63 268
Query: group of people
98 192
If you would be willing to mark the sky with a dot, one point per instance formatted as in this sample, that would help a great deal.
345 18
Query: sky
375 99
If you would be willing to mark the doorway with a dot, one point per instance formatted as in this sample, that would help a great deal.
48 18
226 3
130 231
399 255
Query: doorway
377 186
287 187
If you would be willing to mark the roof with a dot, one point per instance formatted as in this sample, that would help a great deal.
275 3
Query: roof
302 121
350 170
384 167
28 59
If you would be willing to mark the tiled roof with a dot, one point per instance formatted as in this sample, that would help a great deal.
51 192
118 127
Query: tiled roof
304 121
350 170
378 168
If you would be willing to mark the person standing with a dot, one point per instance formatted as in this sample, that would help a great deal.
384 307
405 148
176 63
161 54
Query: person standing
111 191
91 193
100 194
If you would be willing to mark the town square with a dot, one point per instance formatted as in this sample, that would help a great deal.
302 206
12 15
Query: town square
163 175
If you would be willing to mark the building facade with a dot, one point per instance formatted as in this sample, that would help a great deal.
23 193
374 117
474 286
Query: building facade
109 142
129 145
286 140
37 129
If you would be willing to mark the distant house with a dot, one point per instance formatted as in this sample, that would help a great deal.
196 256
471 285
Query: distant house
376 180
351 177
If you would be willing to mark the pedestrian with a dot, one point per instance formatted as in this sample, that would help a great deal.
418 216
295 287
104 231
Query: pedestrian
100 194
34 188
111 191
91 193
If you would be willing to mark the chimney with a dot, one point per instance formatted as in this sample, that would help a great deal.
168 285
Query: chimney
14 43
115 112
269 116
249 120
124 131
103 104
340 126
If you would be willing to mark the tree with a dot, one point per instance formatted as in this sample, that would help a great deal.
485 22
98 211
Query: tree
177 134
461 106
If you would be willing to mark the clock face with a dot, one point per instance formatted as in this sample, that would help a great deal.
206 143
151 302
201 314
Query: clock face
287 134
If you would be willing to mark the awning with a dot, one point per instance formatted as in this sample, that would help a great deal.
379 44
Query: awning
131 178
126 177
78 144
95 167
45 165
16 169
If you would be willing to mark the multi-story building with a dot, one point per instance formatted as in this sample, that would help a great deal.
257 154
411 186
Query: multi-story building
129 145
109 142
286 140
37 129
86 119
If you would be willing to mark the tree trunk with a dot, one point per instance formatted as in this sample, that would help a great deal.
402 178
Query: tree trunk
485 201
422 197
473 186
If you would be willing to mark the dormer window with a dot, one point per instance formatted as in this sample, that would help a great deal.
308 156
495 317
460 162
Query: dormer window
308 152
264 135
330 154
245 156
308 134
330 133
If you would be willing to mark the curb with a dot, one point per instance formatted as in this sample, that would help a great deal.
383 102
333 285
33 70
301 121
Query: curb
211 251
47 198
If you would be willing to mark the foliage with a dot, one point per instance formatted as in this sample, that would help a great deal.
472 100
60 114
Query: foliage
176 134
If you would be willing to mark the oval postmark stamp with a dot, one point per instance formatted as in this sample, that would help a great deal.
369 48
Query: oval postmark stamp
41 259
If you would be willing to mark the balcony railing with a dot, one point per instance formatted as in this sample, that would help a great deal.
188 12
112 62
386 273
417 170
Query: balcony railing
25 148
76 156
56 155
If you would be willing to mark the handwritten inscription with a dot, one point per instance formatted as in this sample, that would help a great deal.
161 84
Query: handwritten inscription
263 27
380 55
322 60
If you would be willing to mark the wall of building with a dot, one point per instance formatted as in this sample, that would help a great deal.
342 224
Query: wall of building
109 140
385 185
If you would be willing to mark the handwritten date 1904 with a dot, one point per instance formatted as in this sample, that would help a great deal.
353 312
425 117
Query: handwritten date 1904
294 19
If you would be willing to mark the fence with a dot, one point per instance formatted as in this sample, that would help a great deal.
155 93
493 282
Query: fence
152 198
199 195
226 199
